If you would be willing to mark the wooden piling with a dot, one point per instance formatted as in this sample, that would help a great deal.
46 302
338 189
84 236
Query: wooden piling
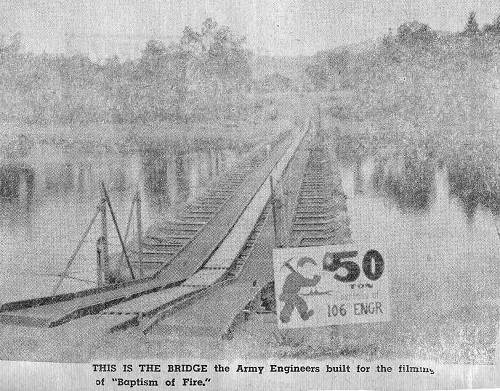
139 233
104 238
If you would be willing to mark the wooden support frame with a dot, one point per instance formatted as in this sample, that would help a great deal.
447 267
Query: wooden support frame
64 274
115 222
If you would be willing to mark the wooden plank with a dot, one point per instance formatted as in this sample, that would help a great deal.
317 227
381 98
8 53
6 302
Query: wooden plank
150 302
57 312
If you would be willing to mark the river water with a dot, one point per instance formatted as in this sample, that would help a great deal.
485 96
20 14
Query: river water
49 195
441 250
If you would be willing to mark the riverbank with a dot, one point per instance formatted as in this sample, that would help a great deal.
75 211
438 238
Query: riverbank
270 114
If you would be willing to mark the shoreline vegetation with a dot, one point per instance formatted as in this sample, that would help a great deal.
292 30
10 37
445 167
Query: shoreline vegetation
193 91
16 139
429 97
436 84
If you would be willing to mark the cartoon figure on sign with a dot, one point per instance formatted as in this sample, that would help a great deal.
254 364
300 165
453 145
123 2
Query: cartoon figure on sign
290 292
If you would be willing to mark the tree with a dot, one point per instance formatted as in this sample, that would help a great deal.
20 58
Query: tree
471 28
218 63
160 79
329 68
493 28
12 48
415 33
317 74
276 82
210 65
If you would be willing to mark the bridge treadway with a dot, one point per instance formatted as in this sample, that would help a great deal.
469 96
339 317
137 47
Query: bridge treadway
215 312
53 311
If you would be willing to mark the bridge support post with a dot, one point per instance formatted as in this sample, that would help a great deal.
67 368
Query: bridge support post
104 258
276 209
319 118
138 215
99 249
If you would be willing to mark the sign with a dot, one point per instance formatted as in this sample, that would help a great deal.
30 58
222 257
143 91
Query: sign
329 285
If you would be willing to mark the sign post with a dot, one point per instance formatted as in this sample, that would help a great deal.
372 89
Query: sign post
330 285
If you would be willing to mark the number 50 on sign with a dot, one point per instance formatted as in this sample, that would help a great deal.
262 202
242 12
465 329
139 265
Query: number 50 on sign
327 285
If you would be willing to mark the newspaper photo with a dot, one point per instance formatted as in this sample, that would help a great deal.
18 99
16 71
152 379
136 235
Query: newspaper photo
249 195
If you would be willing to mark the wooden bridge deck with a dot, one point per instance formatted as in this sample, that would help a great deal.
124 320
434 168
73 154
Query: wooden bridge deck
214 312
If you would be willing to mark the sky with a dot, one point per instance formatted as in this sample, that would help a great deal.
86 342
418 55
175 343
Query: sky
102 28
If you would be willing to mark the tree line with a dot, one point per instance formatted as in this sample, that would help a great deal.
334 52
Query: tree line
205 73
472 27
412 42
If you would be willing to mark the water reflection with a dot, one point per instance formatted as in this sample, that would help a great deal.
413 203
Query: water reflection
359 182
407 179
16 180
435 222
182 176
173 177
474 186
406 175
156 173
